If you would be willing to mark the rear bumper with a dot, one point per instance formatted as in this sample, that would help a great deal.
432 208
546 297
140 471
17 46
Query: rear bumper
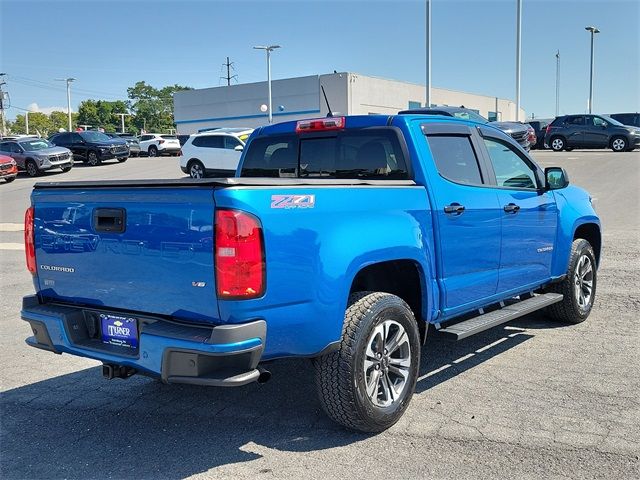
224 355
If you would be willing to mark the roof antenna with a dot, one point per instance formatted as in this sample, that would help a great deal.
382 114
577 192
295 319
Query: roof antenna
330 114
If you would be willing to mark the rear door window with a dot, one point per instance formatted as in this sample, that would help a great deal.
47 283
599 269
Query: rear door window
575 120
208 141
455 158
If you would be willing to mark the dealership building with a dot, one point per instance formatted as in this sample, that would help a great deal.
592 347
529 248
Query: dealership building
242 105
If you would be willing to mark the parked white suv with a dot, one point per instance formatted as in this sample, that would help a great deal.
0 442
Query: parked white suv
154 144
215 153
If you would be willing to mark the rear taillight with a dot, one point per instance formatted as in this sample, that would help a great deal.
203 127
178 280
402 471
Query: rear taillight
548 129
239 255
160 142
320 124
29 241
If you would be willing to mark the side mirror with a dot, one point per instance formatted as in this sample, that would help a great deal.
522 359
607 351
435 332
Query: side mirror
555 178
238 148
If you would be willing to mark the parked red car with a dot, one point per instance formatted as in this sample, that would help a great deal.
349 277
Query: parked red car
8 168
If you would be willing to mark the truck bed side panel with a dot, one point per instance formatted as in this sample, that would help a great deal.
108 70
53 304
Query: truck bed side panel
314 252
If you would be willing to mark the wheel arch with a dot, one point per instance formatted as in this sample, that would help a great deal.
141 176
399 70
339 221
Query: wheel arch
592 234
404 278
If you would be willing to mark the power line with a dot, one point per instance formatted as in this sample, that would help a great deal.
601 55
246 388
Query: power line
229 66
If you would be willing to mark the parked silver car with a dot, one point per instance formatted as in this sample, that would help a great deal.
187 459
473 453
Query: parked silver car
35 155
131 139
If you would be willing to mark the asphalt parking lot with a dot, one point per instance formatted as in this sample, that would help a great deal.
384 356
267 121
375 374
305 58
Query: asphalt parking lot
533 399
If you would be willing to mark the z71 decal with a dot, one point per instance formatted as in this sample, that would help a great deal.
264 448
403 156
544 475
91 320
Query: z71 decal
293 201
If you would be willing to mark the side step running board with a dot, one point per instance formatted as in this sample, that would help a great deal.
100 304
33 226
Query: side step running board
505 314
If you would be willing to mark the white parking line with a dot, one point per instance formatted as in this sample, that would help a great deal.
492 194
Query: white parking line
11 227
11 246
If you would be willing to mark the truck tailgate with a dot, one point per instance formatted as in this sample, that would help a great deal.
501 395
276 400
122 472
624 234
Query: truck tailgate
140 249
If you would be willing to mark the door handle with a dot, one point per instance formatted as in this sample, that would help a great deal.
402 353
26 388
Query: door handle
512 208
454 209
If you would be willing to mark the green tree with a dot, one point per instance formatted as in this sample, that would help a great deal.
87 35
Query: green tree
102 113
153 107
39 123
60 120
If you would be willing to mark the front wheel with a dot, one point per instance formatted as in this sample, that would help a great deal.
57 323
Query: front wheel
32 169
66 169
579 286
368 382
93 159
122 160
9 179
619 144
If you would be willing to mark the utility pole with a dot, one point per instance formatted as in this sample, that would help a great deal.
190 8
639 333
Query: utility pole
229 66
68 80
2 104
518 48
428 54
558 83
269 49
122 115
593 31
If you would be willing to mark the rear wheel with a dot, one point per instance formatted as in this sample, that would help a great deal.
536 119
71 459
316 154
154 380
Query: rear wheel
32 169
93 159
619 144
368 382
153 151
196 169
579 286
557 144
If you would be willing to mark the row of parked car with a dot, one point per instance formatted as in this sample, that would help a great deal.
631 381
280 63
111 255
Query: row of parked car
217 152
35 155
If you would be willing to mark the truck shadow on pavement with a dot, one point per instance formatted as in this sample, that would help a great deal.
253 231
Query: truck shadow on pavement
81 426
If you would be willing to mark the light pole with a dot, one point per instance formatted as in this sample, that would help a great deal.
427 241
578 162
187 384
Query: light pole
68 80
518 48
593 31
558 83
268 49
122 115
428 40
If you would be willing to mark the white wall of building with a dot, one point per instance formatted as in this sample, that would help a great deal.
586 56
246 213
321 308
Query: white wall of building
296 98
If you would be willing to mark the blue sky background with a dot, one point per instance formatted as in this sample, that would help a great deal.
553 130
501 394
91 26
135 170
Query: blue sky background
109 45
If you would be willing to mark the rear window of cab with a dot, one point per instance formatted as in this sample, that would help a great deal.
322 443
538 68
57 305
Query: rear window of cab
369 153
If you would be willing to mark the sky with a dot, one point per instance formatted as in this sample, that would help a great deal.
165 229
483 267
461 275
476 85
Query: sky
109 45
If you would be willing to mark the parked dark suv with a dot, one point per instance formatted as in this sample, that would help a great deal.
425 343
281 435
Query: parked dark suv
632 119
591 131
92 147
520 132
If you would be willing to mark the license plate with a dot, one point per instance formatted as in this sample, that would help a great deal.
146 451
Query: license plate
119 330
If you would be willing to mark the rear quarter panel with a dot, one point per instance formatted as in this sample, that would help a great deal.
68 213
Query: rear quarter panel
314 253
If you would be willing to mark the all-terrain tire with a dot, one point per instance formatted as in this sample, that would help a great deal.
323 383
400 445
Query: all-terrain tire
571 309
341 376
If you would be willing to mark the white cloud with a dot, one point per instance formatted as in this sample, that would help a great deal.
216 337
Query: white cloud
34 107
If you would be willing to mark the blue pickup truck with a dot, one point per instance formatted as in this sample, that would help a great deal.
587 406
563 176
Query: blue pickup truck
341 239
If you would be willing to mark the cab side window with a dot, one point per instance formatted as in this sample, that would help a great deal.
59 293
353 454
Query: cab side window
511 170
